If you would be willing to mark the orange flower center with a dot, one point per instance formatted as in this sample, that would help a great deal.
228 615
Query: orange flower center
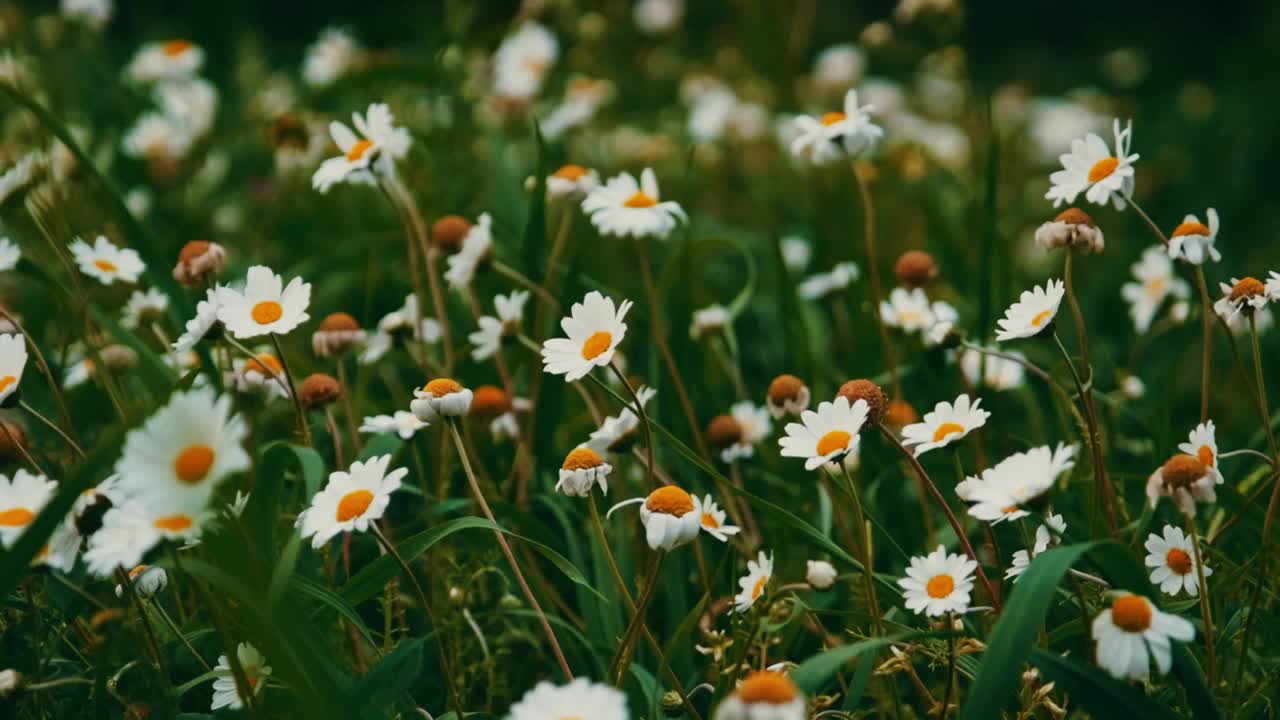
16 517
173 523
596 344
1039 318
832 118
106 266
193 463
265 364
443 386
641 199
353 504
571 172
6 381
1103 168
940 586
1178 561
709 520
670 500
1131 613
1190 228
1155 287
137 571
358 150
582 458
766 686
173 48
1204 454
945 429
759 587
834 441
266 312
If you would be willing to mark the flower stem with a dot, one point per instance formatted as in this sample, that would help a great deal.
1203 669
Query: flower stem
873 273
54 386
644 423
524 281
622 659
303 426
864 545
1206 613
418 229
1101 481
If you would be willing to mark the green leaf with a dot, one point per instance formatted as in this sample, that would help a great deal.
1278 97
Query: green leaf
381 444
158 376
1090 688
395 674
813 674
264 502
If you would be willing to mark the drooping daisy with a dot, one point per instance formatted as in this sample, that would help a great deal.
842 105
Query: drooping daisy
938 583
10 254
1184 479
1244 295
1072 228
1155 281
1193 241
265 306
488 338
1173 562
820 574
441 397
147 580
1002 491
158 138
826 435
787 394
1033 313
13 360
477 247
753 584
713 521
753 425
945 424
837 135
256 670
763 695
1046 536
911 311
709 320
175 59
144 308
1132 632
624 208
583 469
338 333
1092 169
594 329
617 432
821 285
402 423
330 57
581 698
991 371
670 515
107 263
263 373
571 183
373 151
351 500
1203 444
186 448
21 500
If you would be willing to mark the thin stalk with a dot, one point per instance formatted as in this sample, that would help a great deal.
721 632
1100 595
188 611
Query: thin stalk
1095 441
864 545
622 659
22 448
644 423
54 386
524 281
1206 613
1025 363
951 670
347 409
873 273
293 391
153 645
418 228
332 425
178 633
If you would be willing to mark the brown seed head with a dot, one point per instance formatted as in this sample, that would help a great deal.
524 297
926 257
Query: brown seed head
339 321
198 261
489 401
1075 216
863 389
318 390
1246 288
13 440
448 232
915 268
723 431
900 414
1182 470
784 388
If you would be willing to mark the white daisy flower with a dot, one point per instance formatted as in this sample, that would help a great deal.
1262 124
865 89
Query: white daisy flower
107 263
763 695
594 329
821 285
144 307
837 135
657 17
171 60
331 56
158 137
477 247
826 435
1242 295
351 500
820 574
624 208
616 432
1185 480
945 424
1090 168
402 423
713 520
21 174
1202 443
21 500
581 698
373 151
10 254
1047 535
185 449
571 182
753 584
200 325
582 470
523 60
192 103
13 360
583 97
1155 281
61 550
994 372
1034 311
1173 562
129 530
265 306
839 67
441 397
1273 286
1132 632
709 320
147 580
938 583
488 338
262 373
1002 491
256 670
796 253
671 517
1193 241
754 425
911 311
94 13
394 324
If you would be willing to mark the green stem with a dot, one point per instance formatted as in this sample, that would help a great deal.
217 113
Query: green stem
622 660
1094 438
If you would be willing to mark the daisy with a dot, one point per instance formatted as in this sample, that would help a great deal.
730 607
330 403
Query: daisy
657 17
616 432
1033 313
823 284
94 13
338 333
331 56
583 97
571 183
13 360
147 580
158 138
911 311
184 449
1002 491
826 435
441 397
763 695
1273 286
1244 295
581 698
1092 169
582 470
594 329
713 520
523 60
624 208
351 500
796 253
262 373
837 135
1133 631
945 424
374 151
256 669
477 247
994 372
938 583
20 174
1155 281
709 320
753 425
10 254
171 60
820 574
488 338
787 394
838 67
193 104
1202 443
671 517
107 263
1173 560
21 500
265 306
402 423
397 323
759 573
1072 228
144 308
1047 535
1184 479
129 530
62 548
1193 242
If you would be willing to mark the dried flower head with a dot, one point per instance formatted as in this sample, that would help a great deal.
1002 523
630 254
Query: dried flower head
318 390
1072 228
449 231
915 268
723 431
118 358
863 389
13 440
787 394
198 262
338 333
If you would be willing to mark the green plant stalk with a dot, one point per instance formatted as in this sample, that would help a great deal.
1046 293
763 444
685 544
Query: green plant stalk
303 426
1102 483
650 483
622 659
864 545
873 273
54 386
417 228
1206 613
52 426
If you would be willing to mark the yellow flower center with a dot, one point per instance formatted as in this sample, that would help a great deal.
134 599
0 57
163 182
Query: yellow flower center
266 312
834 441
1039 318
106 266
6 381
641 199
1190 228
670 500
353 504
940 586
1178 561
1103 168
1155 287
582 459
173 523
945 429
571 172
1131 613
766 686
1009 510
442 386
759 587
1204 454
265 364
16 517
358 150
596 344
137 571
832 118
173 48
709 520
193 463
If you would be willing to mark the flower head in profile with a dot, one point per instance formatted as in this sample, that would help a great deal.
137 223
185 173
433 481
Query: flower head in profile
330 57
747 424
371 149
821 285
787 395
266 305
713 521
200 325
571 183
144 308
21 500
176 59
670 515
402 423
1072 228
1092 169
476 249
911 311
523 60
1194 241
1002 491
945 424
105 262
581 698
593 331
752 585
351 501
1172 560
1154 282
441 397
147 580
617 432
763 695
583 469
624 208
1047 535
13 360
493 330
1133 632
256 670
1202 443
836 135
1033 313
827 434
263 373
1243 296
938 583
1184 479
820 574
